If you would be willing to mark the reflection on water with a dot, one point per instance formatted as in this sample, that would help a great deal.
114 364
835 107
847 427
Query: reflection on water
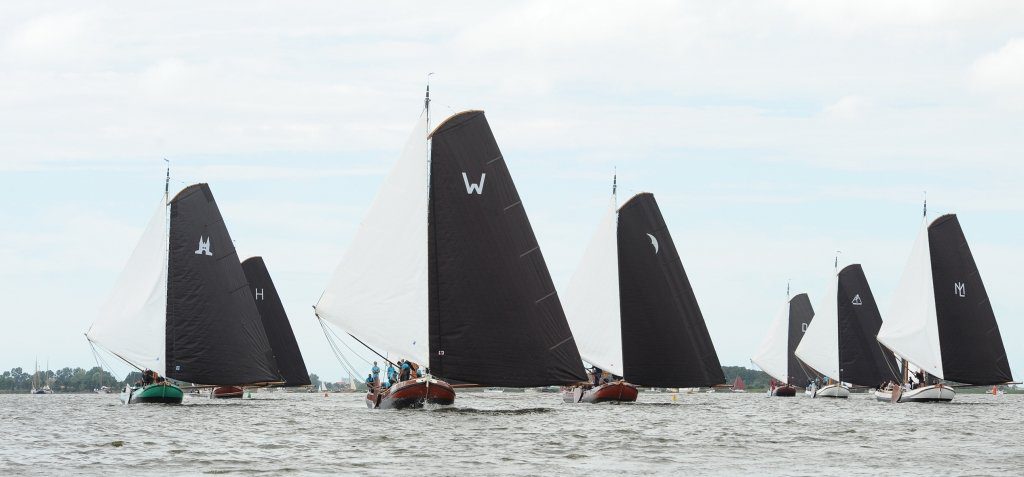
512 433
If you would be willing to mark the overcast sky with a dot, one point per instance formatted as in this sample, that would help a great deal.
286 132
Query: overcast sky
772 133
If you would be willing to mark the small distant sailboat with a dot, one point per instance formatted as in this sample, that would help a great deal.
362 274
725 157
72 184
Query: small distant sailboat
840 342
738 386
40 384
776 355
290 365
445 272
941 320
633 311
181 307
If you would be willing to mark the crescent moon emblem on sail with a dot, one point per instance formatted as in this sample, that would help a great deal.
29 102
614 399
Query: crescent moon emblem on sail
654 242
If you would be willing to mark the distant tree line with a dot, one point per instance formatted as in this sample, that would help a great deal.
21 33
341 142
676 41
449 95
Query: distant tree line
752 378
66 380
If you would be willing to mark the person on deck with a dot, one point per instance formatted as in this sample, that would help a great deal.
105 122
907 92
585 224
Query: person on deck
392 374
406 371
597 376
375 370
371 382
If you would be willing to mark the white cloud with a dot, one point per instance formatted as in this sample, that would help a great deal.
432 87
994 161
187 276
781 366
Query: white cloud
1001 73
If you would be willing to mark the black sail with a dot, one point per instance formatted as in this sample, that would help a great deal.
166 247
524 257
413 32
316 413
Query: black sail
665 342
214 332
800 315
972 348
495 318
862 360
290 365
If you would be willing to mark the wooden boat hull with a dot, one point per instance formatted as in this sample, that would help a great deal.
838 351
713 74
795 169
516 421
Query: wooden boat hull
414 393
933 393
160 393
619 391
784 391
227 392
832 391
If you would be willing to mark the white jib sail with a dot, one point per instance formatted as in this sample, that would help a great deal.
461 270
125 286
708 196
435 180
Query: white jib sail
591 301
819 347
773 354
132 322
911 329
378 292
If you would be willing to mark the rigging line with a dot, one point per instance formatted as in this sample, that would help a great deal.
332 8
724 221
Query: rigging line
331 330
337 351
885 358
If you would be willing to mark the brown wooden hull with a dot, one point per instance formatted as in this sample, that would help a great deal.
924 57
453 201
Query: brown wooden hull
619 391
227 392
414 393
784 391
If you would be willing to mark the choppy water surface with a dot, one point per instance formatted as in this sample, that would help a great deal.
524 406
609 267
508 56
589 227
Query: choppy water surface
513 433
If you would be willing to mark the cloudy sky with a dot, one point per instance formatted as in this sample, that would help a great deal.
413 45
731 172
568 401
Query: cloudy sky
772 133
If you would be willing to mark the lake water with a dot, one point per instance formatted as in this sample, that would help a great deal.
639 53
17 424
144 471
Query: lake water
513 434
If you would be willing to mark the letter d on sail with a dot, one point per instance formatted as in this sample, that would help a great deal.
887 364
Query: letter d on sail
474 188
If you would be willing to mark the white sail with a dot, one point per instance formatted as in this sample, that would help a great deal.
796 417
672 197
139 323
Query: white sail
911 329
591 301
378 292
132 322
819 347
773 354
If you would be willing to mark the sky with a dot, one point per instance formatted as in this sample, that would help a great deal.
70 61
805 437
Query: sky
772 133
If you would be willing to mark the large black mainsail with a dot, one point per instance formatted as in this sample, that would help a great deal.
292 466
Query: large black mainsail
275 323
972 348
862 361
800 315
495 318
665 342
214 334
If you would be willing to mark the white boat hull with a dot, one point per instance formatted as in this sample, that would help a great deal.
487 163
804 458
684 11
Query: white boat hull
933 393
833 391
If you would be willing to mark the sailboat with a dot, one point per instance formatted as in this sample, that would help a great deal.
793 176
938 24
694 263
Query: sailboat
181 307
445 272
840 342
738 386
941 320
290 365
40 384
633 311
776 355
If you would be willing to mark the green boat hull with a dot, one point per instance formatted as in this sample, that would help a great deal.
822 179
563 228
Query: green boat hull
161 393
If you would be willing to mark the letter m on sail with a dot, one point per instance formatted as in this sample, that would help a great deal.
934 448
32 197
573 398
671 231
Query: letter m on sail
474 188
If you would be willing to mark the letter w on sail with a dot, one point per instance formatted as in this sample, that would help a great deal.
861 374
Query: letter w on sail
477 188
